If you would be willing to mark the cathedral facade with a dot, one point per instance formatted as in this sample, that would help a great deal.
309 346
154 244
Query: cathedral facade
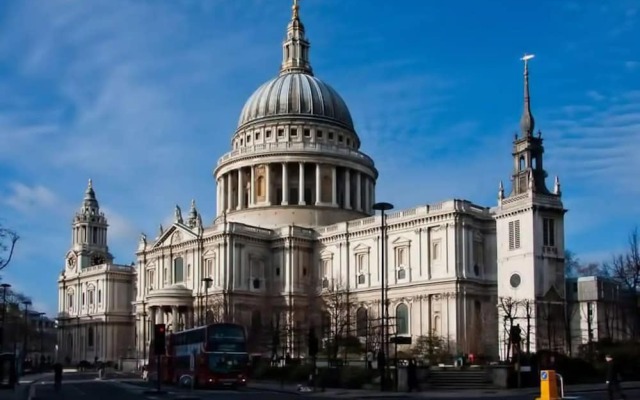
297 244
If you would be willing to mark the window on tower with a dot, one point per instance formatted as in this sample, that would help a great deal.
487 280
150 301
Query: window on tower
549 232
514 235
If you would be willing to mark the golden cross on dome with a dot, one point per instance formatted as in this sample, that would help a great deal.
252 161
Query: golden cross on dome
295 9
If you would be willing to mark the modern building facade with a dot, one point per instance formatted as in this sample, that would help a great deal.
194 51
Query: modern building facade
599 308
295 225
94 295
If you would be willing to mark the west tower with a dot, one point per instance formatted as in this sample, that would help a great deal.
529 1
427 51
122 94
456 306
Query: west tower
530 245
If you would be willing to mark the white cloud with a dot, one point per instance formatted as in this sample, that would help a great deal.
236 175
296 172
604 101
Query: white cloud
30 199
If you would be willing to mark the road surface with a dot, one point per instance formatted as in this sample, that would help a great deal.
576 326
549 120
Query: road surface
85 386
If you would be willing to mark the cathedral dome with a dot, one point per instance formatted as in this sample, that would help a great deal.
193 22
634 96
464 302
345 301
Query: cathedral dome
296 94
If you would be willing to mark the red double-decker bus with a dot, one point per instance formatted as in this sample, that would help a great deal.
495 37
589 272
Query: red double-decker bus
213 355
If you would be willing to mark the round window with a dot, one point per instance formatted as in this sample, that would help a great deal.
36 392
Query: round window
515 280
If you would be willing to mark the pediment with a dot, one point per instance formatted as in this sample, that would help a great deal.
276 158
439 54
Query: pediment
326 254
176 234
401 241
361 248
209 253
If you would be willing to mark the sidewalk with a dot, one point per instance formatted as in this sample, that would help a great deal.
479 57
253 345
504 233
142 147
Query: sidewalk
427 393
24 390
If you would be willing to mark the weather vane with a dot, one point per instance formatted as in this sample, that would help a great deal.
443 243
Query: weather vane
526 58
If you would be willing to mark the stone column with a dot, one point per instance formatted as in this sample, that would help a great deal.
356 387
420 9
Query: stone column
318 184
175 319
285 185
240 189
334 187
252 187
359 191
229 191
268 184
347 189
301 184
223 195
367 195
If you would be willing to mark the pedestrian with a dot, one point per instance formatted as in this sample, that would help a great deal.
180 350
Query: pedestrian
613 379
412 375
57 376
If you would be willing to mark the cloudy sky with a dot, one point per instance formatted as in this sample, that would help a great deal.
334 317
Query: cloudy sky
143 97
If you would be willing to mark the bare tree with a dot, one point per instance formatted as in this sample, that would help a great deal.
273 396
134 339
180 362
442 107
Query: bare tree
571 264
529 307
8 240
214 309
338 309
625 268
508 311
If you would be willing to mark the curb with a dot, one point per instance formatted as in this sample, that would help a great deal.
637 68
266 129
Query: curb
284 391
30 389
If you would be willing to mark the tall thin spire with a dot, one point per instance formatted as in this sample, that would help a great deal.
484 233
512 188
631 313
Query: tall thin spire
295 49
527 123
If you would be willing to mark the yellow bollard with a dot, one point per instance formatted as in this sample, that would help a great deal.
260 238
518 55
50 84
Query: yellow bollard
548 386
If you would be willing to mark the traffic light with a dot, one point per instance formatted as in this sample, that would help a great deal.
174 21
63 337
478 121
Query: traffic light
159 342
313 343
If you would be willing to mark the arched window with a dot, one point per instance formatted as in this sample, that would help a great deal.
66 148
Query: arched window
361 322
402 319
90 337
178 270
522 164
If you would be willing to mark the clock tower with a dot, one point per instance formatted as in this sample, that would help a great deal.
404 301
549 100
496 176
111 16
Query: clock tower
530 248
89 235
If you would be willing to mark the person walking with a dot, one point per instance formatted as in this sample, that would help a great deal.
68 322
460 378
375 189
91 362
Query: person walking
57 376
613 379
412 376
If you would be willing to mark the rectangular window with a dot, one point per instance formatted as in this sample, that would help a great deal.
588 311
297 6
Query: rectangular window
319 134
401 256
99 296
280 132
514 235
94 236
91 297
307 133
268 133
294 132
83 299
209 271
549 232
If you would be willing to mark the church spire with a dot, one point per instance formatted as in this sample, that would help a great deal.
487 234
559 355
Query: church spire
295 49
527 123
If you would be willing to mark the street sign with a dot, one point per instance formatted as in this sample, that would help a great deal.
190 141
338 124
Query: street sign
544 376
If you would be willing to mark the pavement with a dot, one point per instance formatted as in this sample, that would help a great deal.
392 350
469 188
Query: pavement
586 392
85 385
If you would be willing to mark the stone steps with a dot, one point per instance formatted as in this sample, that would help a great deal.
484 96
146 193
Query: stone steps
459 379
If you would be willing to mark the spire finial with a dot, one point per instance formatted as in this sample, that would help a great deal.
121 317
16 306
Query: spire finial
527 122
90 186
556 186
296 9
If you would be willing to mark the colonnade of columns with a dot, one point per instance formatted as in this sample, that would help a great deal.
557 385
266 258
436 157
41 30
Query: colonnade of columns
291 183
176 318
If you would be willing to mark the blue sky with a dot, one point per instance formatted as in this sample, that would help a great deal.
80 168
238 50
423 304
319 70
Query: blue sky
143 97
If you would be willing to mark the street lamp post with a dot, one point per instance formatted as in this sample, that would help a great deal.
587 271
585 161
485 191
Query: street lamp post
4 286
26 303
207 281
144 332
384 305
